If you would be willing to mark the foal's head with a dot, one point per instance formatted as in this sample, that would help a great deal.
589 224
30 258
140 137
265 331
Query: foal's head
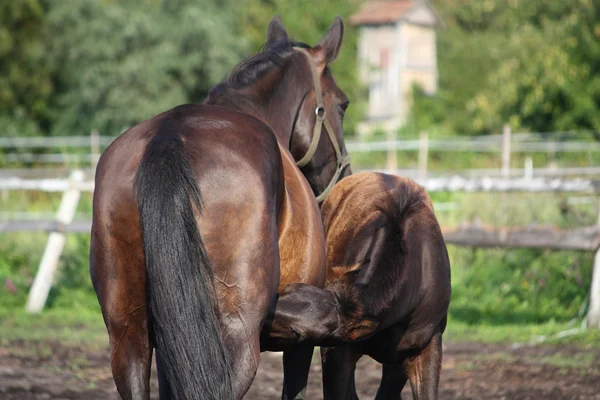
289 86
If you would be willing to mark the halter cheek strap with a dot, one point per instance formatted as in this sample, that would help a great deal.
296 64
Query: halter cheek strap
321 114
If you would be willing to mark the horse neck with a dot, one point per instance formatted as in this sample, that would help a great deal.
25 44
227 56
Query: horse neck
275 105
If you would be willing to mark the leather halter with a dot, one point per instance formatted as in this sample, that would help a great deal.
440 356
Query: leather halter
321 113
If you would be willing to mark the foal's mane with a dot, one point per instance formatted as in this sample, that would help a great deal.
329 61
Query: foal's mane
253 68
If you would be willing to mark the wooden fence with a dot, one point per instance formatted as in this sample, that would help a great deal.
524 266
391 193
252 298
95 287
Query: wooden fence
506 144
467 234
502 179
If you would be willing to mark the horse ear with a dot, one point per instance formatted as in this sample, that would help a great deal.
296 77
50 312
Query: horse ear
276 31
330 44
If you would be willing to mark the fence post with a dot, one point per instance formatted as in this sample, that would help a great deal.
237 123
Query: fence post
94 149
506 132
593 317
423 154
56 242
392 155
528 170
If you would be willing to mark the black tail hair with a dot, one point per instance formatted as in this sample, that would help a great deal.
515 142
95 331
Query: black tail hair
179 274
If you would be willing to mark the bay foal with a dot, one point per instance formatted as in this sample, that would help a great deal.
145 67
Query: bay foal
388 289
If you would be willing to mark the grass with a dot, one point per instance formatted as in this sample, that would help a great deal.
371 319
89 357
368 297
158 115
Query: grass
563 360
521 333
70 327
77 326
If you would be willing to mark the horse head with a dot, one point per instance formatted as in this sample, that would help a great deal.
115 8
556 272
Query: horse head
289 86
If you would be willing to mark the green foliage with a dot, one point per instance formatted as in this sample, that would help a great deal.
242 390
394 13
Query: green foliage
20 255
530 63
519 286
509 286
122 62
18 261
25 79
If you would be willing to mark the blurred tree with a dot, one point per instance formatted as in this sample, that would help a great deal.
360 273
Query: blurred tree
122 62
549 78
25 79
531 63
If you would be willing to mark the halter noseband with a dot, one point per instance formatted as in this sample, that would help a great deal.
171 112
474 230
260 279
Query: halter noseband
321 113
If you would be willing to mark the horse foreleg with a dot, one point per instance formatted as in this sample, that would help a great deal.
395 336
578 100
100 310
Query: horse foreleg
393 380
296 365
423 370
339 364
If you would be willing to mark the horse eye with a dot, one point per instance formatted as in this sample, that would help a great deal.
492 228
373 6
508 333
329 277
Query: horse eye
344 106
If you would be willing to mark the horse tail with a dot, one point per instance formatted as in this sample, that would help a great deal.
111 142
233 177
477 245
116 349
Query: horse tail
179 273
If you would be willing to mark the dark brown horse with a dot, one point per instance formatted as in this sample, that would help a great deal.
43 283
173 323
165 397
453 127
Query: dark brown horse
388 288
201 215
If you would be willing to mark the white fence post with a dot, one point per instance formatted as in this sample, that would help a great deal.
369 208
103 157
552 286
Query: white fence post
56 242
593 318
423 154
506 133
528 170
392 154
94 149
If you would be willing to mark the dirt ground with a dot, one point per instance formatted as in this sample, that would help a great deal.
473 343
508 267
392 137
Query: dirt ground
470 371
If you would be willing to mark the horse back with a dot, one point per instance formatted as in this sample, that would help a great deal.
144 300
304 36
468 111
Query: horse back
240 149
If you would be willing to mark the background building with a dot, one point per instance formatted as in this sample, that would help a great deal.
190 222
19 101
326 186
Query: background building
396 48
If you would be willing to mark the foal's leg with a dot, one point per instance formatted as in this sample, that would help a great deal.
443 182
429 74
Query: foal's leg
339 364
296 365
423 370
393 380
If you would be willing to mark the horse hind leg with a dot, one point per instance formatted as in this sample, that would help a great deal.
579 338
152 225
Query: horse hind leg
131 355
120 287
393 380
423 370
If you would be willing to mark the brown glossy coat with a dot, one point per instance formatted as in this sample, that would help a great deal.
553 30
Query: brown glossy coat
388 288
258 222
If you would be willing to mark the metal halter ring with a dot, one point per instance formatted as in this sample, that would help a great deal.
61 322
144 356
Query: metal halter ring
320 111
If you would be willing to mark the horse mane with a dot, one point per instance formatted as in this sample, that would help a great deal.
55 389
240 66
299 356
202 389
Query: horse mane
252 69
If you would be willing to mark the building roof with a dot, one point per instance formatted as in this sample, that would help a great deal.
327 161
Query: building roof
377 12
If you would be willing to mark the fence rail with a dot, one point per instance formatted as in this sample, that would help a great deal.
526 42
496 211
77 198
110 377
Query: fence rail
505 143
53 141
441 184
545 237
462 145
467 234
